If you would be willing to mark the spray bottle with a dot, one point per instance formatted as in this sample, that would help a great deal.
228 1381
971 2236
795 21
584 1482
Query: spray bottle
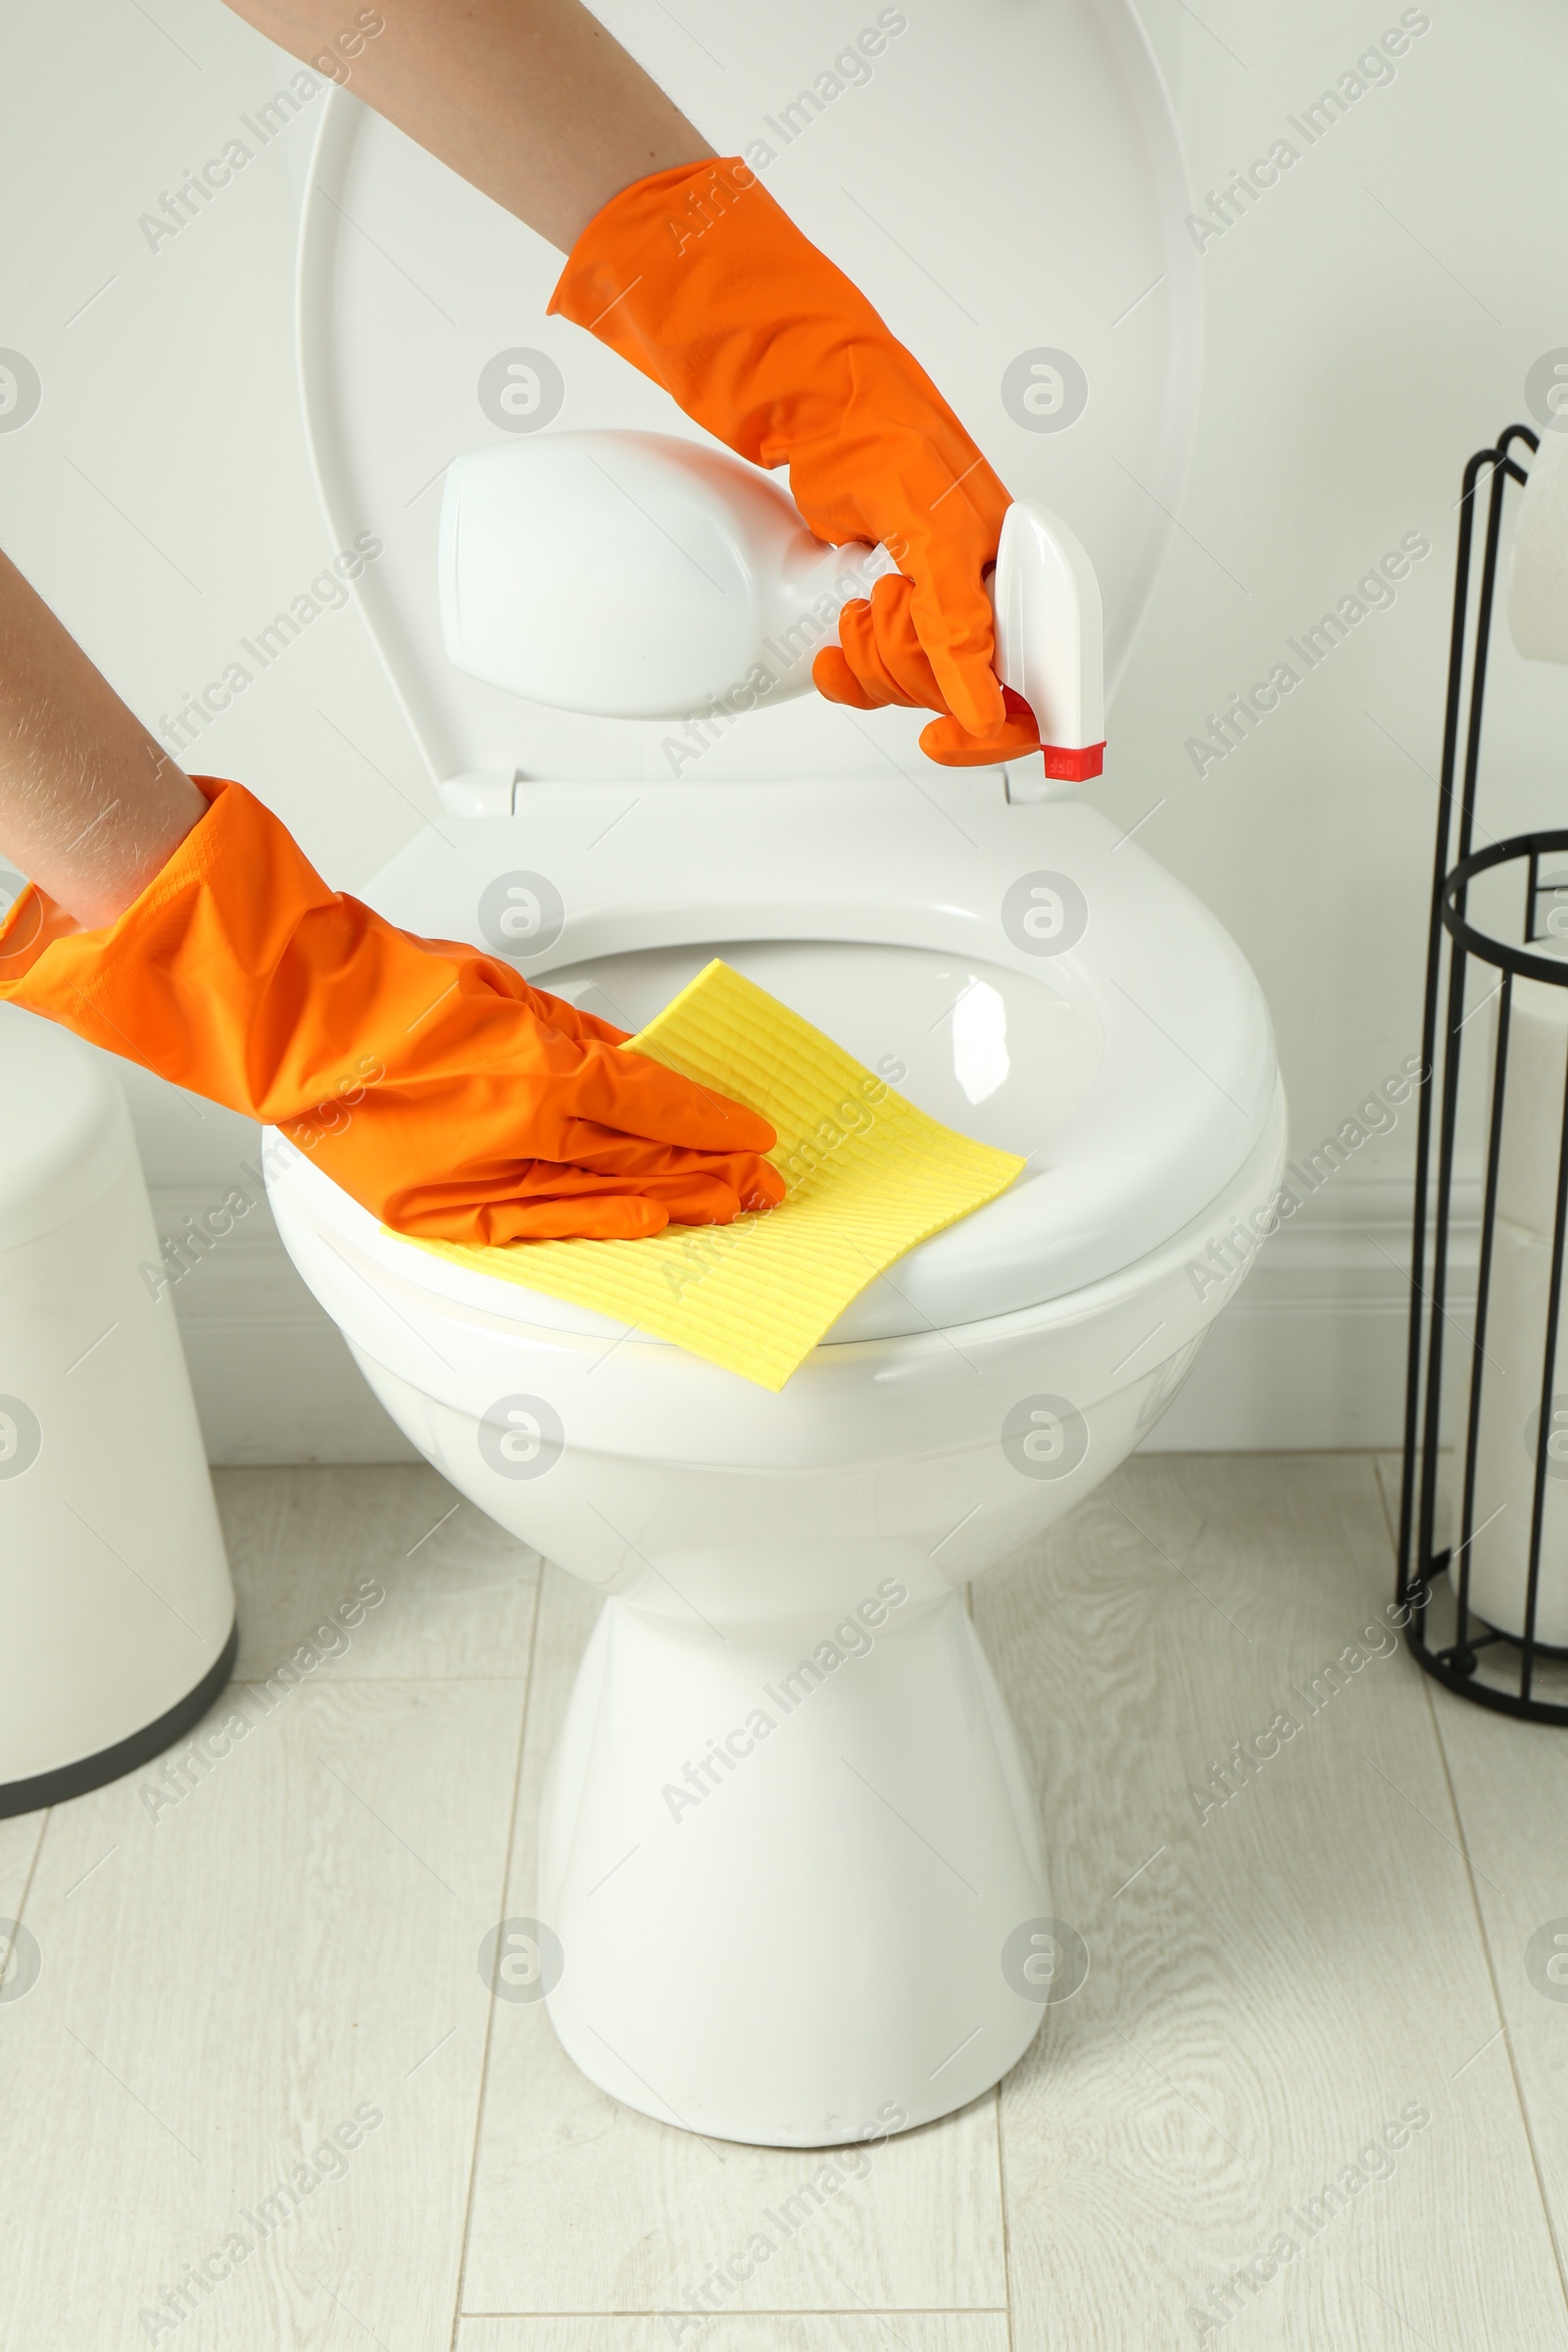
634 575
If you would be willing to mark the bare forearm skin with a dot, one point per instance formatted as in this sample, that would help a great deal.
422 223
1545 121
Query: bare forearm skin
90 806
529 100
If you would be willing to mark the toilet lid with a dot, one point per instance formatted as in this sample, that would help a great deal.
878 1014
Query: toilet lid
1042 273
1120 1044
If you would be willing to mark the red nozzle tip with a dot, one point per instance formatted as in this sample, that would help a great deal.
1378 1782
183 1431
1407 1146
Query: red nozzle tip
1072 765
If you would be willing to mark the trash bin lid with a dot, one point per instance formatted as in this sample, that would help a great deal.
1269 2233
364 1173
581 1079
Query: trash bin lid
64 1132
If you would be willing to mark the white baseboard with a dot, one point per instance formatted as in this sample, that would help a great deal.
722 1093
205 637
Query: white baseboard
1309 1356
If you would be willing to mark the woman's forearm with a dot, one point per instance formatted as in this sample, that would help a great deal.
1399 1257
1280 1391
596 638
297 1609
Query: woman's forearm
530 100
535 104
90 806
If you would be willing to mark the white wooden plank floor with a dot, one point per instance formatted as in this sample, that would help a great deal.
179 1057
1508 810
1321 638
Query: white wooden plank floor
1357 1938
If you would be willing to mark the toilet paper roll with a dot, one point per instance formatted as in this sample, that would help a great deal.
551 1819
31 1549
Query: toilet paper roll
1538 588
1531 1109
1507 1442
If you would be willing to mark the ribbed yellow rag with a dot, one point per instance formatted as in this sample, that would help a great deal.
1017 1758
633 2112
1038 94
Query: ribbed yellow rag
868 1177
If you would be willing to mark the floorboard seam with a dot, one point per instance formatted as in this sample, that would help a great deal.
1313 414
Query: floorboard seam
508 1844
1520 2100
1002 2197
33 1866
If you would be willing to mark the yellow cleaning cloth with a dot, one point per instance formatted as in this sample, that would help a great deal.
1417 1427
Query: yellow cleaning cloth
868 1176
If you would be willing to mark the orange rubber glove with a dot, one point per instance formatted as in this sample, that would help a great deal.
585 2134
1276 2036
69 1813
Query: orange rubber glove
698 279
427 1079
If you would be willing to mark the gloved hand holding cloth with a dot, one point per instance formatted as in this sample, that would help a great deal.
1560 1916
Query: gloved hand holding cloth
698 278
427 1079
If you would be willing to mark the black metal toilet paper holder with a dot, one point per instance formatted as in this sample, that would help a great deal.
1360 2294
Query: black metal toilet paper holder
1479 1661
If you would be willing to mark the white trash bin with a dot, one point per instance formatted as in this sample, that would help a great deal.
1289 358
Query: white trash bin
117 1612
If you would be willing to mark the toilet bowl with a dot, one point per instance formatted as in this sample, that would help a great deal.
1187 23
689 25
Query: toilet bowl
789 1836
793 1889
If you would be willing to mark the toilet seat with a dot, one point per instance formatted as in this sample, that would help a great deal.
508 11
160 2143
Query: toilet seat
1147 1073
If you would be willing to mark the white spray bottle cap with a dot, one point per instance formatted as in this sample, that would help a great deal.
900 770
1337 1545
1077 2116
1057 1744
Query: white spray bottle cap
1044 595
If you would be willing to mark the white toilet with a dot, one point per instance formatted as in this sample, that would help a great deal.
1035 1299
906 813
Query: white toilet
793 1889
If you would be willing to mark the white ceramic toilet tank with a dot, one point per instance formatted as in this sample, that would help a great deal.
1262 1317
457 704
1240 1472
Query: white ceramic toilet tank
792 1886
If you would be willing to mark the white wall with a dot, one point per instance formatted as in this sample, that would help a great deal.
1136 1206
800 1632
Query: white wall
1370 322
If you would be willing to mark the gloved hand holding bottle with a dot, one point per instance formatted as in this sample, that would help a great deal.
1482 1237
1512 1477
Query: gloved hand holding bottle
683 264
698 278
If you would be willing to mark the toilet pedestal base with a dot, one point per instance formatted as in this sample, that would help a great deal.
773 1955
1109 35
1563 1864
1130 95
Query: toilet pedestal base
794 1899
